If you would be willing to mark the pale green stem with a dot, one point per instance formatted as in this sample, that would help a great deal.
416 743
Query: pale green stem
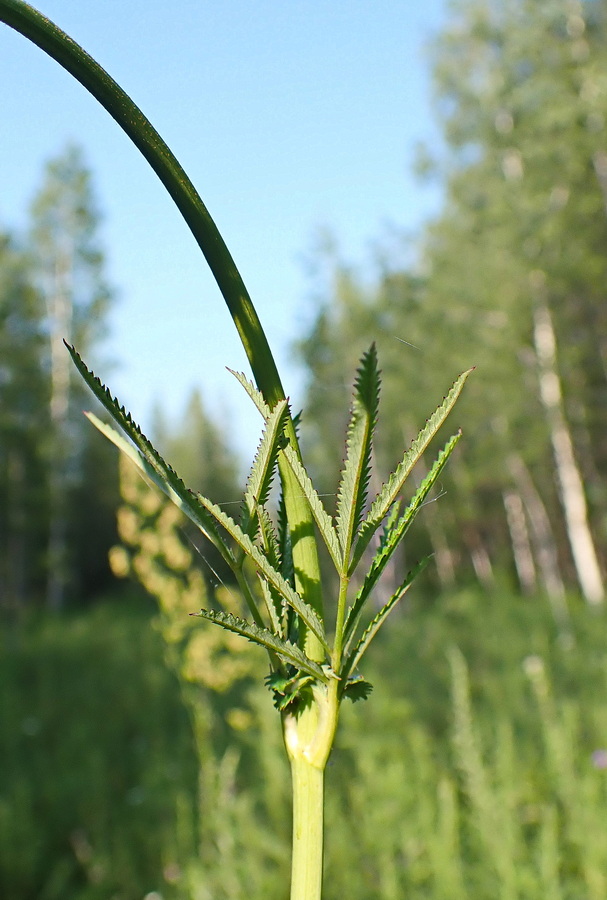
309 738
344 581
308 830
303 542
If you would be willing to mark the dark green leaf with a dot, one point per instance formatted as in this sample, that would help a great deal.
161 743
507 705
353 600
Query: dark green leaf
352 491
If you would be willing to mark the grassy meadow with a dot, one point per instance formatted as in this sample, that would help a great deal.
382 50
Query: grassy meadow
477 769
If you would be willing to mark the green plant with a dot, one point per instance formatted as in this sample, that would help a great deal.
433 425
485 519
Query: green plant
276 563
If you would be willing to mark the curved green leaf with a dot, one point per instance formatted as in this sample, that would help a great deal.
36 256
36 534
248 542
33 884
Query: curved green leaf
41 31
148 459
289 652
46 35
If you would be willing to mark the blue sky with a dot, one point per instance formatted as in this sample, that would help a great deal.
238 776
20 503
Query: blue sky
290 116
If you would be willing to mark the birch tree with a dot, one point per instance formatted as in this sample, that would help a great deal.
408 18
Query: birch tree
519 87
567 470
521 94
67 266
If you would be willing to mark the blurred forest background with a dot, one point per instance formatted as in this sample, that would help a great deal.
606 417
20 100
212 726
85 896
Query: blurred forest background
145 762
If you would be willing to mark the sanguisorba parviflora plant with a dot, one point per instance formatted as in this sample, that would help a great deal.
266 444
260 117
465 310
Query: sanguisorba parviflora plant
314 644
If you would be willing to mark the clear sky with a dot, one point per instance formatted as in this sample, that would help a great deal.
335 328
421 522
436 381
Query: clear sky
288 115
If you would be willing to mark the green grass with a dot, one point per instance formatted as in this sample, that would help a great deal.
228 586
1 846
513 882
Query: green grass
95 747
438 789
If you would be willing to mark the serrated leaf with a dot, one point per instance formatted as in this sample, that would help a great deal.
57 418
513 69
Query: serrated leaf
353 659
356 688
303 610
195 506
286 568
283 701
394 532
391 489
147 458
354 481
264 466
389 523
284 542
273 607
255 395
287 690
269 539
291 653
321 517
271 549
278 681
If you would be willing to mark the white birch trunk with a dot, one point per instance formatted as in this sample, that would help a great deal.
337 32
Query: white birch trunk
443 557
479 556
599 162
519 539
568 475
542 538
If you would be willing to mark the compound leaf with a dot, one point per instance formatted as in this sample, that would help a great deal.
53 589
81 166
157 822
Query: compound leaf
394 531
391 489
147 458
264 567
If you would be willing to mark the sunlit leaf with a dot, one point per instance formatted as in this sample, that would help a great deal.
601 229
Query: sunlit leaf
391 489
303 610
395 530
291 653
264 466
147 458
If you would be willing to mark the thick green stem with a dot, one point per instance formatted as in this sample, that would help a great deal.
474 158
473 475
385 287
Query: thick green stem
308 830
308 735
303 543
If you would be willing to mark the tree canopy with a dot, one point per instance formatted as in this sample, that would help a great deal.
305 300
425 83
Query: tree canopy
511 279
